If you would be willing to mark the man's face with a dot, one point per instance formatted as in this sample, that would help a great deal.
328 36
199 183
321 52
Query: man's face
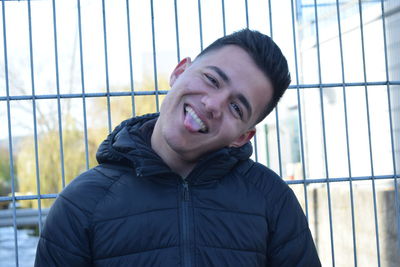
214 102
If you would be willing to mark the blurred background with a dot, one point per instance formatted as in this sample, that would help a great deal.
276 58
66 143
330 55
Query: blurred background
70 71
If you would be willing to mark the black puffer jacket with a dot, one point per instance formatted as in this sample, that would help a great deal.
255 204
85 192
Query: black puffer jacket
131 210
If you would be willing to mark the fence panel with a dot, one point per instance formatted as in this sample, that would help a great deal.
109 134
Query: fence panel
71 71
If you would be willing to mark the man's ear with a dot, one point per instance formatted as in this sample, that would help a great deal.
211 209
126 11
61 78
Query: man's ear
179 69
244 138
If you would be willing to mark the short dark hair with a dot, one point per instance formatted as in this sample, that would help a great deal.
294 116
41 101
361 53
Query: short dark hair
267 56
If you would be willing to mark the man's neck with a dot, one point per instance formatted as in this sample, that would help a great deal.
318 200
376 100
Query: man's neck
173 159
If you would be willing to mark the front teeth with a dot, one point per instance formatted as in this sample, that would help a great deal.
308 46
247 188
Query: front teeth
196 118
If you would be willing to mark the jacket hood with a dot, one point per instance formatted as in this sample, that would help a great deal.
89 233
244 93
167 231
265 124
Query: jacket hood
130 145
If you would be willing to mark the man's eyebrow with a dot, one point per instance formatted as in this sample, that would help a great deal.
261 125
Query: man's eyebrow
245 103
226 79
221 73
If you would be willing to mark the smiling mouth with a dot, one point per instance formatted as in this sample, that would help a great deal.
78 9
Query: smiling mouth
195 122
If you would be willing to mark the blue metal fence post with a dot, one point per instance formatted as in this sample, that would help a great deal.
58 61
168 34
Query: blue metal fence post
60 129
395 176
200 24
10 144
324 133
153 35
369 132
278 140
34 116
132 85
83 84
299 112
347 135
106 65
178 52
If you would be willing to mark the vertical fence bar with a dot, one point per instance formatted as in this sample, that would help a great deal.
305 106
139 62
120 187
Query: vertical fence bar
106 65
200 24
324 133
299 109
347 135
397 204
223 16
369 132
270 17
247 13
132 84
60 129
154 54
34 115
83 84
178 54
255 136
278 138
10 146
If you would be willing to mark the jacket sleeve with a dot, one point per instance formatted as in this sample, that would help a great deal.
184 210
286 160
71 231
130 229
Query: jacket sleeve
64 240
290 242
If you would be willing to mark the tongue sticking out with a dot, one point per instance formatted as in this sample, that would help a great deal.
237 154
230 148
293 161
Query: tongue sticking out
191 124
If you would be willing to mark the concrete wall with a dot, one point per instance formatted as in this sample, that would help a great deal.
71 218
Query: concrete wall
364 221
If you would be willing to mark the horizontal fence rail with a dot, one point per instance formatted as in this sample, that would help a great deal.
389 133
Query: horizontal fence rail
164 92
24 217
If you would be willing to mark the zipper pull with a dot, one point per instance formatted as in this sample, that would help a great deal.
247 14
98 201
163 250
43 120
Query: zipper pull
185 191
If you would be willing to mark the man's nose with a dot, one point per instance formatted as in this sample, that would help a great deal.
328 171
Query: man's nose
214 103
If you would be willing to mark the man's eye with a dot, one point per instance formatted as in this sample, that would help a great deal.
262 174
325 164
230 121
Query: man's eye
237 110
212 80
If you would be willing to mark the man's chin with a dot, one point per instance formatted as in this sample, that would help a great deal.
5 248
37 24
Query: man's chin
186 150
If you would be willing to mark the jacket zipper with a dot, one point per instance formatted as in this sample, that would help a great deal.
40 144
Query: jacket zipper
185 225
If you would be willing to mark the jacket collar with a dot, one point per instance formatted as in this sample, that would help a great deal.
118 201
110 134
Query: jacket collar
130 145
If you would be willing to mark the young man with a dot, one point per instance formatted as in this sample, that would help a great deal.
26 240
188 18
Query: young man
178 188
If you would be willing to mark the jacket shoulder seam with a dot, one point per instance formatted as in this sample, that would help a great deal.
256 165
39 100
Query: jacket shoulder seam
134 252
108 176
263 193
249 181
236 249
106 191
58 246
87 213
232 211
298 234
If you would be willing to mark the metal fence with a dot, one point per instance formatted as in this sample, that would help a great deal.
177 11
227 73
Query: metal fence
72 70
